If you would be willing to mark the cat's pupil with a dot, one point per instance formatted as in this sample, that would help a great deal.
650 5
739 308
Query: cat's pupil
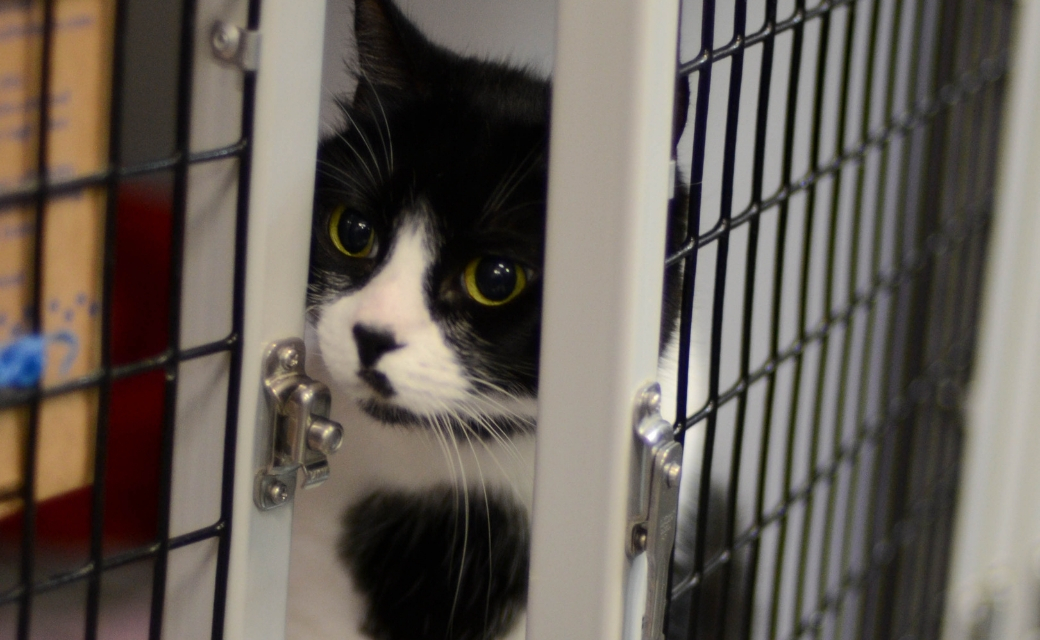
355 232
496 278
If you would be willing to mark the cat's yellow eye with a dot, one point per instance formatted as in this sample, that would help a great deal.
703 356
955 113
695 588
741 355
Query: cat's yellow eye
492 280
352 233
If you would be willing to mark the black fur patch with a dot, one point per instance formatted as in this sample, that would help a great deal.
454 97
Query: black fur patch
428 571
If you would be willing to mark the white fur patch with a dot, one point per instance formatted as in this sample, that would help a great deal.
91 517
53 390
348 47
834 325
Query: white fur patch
424 372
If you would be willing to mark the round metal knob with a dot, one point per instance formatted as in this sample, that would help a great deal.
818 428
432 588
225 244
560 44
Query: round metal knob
324 435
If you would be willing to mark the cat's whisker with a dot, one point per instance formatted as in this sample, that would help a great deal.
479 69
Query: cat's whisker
388 146
507 446
443 436
521 205
357 155
497 196
520 178
343 175
487 516
364 138
465 532
510 183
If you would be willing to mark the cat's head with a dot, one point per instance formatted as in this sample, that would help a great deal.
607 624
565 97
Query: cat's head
429 221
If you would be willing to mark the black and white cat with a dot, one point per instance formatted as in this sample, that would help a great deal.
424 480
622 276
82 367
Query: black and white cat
424 309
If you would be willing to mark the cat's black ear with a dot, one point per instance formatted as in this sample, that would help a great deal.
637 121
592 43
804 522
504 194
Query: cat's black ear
390 48
681 107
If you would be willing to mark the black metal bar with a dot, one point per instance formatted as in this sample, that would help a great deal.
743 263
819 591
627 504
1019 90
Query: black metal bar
180 207
12 398
868 434
708 57
113 562
883 284
774 333
28 542
807 244
758 170
29 193
700 132
104 391
736 75
989 73
904 326
826 548
750 270
914 361
227 491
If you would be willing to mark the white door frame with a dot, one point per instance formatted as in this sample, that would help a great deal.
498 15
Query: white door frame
613 95
285 143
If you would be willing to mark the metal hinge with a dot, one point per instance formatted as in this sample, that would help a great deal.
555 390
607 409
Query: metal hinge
301 435
655 502
236 45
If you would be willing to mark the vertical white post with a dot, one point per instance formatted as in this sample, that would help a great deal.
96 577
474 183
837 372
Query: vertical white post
995 569
285 141
608 192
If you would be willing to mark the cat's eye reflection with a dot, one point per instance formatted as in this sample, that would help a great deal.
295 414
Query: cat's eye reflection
492 280
352 233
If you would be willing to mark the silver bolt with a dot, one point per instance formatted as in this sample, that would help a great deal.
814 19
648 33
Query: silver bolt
288 358
639 538
651 399
277 492
672 473
225 40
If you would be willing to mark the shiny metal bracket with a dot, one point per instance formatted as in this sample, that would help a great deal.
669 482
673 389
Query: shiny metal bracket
655 503
301 435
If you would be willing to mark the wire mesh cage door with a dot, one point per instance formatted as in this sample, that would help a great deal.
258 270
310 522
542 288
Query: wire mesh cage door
154 238
839 158
842 297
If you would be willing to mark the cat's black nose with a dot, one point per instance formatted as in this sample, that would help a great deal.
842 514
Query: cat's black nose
373 343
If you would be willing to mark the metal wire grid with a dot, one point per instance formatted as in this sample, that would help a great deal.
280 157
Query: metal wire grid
841 414
38 195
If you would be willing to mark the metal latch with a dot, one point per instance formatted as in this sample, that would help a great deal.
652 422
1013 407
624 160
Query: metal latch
301 434
655 504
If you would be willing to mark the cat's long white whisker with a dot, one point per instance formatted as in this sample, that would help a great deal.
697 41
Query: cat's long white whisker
520 178
507 446
360 158
364 138
325 167
487 517
507 186
497 197
465 532
389 145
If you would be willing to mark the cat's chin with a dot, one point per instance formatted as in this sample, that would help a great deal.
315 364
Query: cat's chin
460 427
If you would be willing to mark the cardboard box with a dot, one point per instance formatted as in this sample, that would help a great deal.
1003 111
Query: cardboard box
73 226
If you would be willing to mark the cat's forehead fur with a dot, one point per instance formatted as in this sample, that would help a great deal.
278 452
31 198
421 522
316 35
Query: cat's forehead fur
428 129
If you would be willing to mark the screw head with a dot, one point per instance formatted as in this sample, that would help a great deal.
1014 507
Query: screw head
225 40
651 399
289 358
639 538
672 474
277 492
